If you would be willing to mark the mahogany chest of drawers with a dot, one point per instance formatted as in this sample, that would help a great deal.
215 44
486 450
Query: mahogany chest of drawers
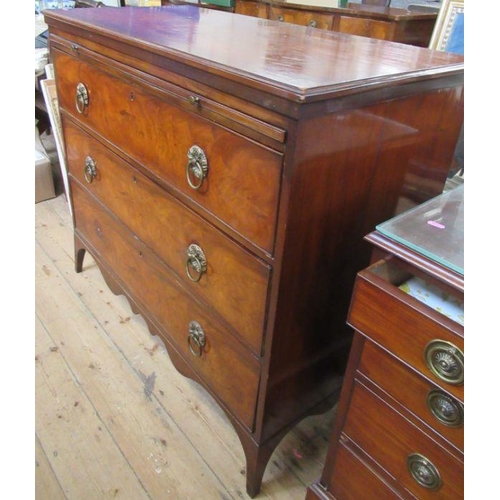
222 176
399 431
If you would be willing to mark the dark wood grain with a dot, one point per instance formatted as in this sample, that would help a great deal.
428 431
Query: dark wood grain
353 170
384 413
225 365
318 20
312 137
363 9
278 58
384 23
359 481
235 283
127 116
391 318
407 387
367 423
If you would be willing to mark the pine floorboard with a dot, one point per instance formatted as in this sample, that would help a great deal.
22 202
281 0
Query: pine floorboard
113 418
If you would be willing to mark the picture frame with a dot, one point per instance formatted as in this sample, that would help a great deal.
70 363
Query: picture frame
50 96
448 34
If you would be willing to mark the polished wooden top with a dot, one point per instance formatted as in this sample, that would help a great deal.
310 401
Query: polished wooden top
295 62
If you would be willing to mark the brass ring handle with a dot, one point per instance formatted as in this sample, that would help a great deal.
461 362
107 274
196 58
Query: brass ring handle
445 361
90 170
81 98
196 261
423 471
313 23
196 339
197 167
281 18
445 409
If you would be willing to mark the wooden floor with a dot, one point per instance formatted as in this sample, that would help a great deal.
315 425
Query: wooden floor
113 417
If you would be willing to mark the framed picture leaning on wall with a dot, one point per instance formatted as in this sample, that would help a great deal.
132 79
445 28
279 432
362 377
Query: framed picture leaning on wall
448 34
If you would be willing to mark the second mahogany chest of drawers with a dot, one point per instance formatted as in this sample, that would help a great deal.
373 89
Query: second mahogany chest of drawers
374 21
223 170
399 431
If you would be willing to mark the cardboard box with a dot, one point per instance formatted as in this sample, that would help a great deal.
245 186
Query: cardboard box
44 180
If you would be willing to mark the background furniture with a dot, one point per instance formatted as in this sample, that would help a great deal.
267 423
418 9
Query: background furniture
223 176
374 21
383 3
399 431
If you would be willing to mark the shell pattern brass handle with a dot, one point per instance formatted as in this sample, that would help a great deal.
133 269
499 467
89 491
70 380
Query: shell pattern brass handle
446 409
90 169
446 361
197 167
423 471
81 98
196 263
196 339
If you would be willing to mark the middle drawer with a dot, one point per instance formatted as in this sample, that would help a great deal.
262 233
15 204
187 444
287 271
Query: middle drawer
230 279
429 402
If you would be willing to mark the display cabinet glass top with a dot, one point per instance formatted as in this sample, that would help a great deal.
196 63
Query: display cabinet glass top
434 229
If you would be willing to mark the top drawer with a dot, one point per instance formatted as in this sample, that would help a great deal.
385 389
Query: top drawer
425 339
232 177
303 17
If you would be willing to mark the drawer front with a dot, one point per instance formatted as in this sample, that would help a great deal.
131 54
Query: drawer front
393 442
410 330
225 366
233 178
304 18
351 479
230 279
436 407
371 28
254 9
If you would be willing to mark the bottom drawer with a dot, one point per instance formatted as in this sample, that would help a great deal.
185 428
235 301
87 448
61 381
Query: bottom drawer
224 365
352 480
394 442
